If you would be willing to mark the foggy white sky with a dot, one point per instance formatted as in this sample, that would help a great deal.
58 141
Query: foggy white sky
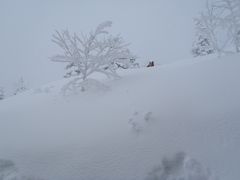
160 30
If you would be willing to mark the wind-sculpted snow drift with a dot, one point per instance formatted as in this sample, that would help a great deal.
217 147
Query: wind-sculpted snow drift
179 167
121 130
77 86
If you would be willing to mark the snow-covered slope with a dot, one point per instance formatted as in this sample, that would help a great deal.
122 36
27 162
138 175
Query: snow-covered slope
122 132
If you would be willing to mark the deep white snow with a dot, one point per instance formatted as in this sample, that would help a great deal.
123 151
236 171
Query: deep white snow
121 130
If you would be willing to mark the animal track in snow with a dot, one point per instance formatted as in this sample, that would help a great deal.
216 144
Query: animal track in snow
140 120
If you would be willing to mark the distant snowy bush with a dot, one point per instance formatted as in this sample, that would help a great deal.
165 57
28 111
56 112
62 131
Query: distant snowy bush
20 87
180 167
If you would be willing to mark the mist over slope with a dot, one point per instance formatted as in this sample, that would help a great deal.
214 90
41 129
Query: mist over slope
122 129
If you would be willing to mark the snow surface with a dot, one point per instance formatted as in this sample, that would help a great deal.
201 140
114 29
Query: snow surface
122 132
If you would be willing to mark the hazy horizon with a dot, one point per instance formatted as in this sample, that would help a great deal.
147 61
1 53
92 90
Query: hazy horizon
157 30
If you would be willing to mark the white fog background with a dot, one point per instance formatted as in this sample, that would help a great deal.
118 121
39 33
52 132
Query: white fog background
159 30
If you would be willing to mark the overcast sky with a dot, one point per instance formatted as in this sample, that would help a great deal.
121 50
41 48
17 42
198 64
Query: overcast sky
160 30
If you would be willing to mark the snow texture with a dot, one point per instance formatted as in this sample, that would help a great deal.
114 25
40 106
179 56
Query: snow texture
190 106
180 167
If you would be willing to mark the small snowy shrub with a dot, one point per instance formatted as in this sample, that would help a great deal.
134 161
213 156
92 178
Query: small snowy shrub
20 87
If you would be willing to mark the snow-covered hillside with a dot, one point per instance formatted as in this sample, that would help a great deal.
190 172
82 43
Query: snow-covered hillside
121 130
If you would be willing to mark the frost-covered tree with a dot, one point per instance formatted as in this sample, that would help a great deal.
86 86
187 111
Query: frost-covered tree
94 52
230 15
20 86
2 95
207 26
218 28
202 45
